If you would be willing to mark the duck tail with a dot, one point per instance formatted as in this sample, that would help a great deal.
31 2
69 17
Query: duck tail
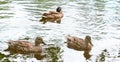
5 41
8 42
69 38
6 49
44 17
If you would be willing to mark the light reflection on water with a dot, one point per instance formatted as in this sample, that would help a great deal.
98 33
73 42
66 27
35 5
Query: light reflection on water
99 19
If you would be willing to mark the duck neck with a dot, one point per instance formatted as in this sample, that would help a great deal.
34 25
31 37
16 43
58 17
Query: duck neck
36 44
58 11
86 42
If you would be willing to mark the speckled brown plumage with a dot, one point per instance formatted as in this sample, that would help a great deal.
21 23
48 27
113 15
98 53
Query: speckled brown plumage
52 16
25 47
80 44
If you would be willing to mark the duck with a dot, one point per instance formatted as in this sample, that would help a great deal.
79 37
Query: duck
25 47
52 16
80 44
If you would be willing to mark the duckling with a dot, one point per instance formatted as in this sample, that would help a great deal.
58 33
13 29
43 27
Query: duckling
52 16
24 47
80 44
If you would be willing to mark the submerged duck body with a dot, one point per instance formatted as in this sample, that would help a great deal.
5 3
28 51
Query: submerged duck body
25 47
52 16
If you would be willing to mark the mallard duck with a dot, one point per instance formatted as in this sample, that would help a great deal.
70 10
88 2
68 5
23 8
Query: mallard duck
52 16
25 47
80 44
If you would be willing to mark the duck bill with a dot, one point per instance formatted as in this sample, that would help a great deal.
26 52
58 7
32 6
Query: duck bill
44 43
91 43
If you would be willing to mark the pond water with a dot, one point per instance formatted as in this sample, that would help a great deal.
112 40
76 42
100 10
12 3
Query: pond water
19 19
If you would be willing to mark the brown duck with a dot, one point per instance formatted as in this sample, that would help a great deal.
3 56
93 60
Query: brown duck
25 47
52 16
80 44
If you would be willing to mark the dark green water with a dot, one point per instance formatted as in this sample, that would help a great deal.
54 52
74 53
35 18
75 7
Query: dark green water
98 18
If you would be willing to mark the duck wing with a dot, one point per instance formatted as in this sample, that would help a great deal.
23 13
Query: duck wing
52 14
75 43
29 48
19 46
80 43
21 43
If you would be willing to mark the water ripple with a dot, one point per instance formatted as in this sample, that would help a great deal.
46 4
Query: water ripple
99 19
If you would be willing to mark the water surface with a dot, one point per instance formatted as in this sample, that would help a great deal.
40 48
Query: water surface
98 18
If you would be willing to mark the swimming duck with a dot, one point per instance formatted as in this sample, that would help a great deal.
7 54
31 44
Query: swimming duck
52 16
25 47
80 44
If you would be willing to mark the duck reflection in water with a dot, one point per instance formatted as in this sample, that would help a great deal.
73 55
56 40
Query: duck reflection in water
52 16
39 56
80 44
25 47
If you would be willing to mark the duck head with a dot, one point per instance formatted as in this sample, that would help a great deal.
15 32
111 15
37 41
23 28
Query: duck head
88 40
38 41
58 9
